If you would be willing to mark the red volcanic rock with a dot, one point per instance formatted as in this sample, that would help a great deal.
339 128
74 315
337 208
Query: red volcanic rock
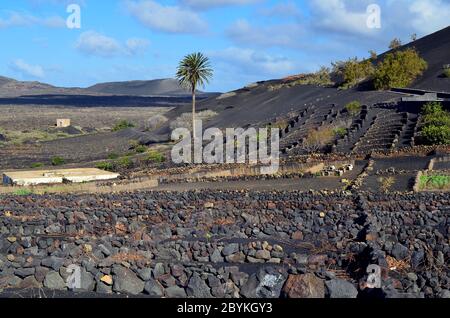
304 286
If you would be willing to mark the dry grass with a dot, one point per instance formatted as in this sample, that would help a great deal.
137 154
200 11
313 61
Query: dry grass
319 138
129 257
386 183
397 265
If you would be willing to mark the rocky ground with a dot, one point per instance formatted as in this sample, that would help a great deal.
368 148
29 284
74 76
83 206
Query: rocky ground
227 244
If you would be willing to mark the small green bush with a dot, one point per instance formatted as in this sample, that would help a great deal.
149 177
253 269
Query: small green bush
353 71
140 149
447 71
37 165
436 124
340 131
156 157
57 161
432 108
353 108
108 166
399 69
124 163
123 124
436 135
113 156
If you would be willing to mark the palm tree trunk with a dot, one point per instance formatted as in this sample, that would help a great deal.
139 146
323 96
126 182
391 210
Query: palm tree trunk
193 113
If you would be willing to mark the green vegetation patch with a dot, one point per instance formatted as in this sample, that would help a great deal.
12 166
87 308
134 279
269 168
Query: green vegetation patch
447 71
353 108
16 137
22 192
37 165
106 165
353 71
434 182
58 161
113 156
124 163
155 157
340 131
399 69
123 124
436 124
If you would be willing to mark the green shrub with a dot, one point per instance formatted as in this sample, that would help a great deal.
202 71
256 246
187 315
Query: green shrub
123 124
124 163
432 108
113 156
436 124
353 71
340 131
447 71
57 161
108 166
399 69
37 165
156 157
353 108
434 182
140 149
436 135
439 119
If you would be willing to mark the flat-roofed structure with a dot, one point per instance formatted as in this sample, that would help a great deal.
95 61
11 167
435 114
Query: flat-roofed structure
62 123
35 177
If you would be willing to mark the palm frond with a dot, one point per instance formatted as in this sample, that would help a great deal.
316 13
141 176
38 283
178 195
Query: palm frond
194 71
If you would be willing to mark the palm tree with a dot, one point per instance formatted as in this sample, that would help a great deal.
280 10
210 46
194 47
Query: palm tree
193 71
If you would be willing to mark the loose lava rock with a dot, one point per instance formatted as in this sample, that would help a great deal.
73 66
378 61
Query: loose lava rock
231 244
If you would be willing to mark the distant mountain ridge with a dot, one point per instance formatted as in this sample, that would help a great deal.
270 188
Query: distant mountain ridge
160 87
157 87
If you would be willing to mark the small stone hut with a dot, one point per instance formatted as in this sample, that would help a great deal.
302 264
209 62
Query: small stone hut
62 123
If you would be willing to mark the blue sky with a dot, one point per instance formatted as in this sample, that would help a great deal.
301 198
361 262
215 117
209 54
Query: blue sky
247 40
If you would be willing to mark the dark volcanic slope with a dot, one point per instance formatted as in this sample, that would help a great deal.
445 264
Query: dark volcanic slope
261 105
435 49
258 104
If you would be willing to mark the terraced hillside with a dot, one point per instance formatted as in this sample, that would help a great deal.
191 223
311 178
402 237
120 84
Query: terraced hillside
306 107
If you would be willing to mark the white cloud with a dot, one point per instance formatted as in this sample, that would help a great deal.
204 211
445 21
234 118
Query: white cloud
207 4
172 19
26 69
341 16
97 44
93 43
283 9
430 15
255 62
243 32
136 45
17 19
